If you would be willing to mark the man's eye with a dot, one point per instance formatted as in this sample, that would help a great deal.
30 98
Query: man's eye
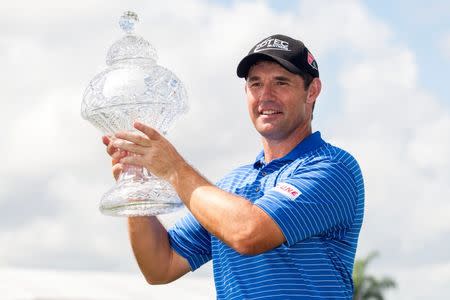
256 84
281 82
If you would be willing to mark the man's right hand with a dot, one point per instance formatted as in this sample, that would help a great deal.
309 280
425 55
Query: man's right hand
158 262
116 156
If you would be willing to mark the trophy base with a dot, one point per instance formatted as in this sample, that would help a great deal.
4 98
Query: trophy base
140 196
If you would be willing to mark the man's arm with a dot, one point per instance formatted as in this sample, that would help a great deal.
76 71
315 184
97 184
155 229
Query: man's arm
158 262
233 219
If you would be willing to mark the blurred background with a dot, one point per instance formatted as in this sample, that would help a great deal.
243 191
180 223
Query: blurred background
385 71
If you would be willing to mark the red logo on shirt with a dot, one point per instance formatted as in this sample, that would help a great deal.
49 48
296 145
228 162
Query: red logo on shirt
289 189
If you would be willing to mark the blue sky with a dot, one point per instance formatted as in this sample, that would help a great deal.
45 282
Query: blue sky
417 24
421 25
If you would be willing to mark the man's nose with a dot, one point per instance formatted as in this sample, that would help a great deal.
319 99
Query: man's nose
266 92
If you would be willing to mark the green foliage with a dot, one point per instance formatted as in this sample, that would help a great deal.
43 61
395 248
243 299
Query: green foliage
367 287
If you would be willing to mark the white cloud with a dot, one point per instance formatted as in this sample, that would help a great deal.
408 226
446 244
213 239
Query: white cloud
436 278
428 148
56 168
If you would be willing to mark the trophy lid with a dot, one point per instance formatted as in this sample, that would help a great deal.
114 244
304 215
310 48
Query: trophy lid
130 46
133 86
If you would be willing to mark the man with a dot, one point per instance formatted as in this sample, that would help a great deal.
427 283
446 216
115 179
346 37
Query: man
283 227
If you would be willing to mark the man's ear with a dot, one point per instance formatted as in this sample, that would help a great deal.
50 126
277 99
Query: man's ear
314 90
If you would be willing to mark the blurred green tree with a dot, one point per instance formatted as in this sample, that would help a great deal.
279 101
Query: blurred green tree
367 287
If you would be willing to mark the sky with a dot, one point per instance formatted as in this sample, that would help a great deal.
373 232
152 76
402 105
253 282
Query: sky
385 99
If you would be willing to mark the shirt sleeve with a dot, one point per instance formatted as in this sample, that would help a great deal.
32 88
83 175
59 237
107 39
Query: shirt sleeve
313 200
190 240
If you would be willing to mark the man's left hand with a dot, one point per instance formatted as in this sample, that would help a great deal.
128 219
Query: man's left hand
151 151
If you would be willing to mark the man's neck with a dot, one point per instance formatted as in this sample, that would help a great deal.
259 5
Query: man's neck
274 149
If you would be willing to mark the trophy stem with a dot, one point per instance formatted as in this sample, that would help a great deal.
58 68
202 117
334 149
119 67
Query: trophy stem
138 193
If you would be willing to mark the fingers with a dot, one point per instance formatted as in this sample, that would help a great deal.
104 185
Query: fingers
133 137
147 130
105 140
117 156
129 147
135 160
117 170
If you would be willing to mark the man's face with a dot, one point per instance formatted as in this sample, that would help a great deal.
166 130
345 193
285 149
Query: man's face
278 103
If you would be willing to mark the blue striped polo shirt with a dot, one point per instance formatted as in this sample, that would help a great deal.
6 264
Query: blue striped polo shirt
316 196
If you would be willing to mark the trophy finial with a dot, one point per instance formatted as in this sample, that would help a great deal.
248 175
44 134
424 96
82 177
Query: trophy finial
128 20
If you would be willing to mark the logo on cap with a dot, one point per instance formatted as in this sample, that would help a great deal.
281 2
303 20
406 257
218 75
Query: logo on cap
272 44
312 61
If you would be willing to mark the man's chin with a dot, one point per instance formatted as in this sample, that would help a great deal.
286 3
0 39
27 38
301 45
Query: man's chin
270 133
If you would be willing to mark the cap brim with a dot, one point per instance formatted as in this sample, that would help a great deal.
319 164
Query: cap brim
248 61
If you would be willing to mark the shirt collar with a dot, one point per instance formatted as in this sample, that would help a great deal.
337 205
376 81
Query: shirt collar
309 143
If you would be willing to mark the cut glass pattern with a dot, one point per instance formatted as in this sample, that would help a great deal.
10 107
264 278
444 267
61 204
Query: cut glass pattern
133 87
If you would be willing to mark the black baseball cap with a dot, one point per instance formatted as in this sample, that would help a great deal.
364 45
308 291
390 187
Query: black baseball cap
290 53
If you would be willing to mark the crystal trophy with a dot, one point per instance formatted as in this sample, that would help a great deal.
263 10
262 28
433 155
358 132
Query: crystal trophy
134 87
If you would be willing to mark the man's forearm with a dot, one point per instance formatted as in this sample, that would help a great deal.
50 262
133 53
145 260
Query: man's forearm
231 218
152 250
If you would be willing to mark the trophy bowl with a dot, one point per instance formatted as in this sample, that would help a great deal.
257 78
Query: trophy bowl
133 87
